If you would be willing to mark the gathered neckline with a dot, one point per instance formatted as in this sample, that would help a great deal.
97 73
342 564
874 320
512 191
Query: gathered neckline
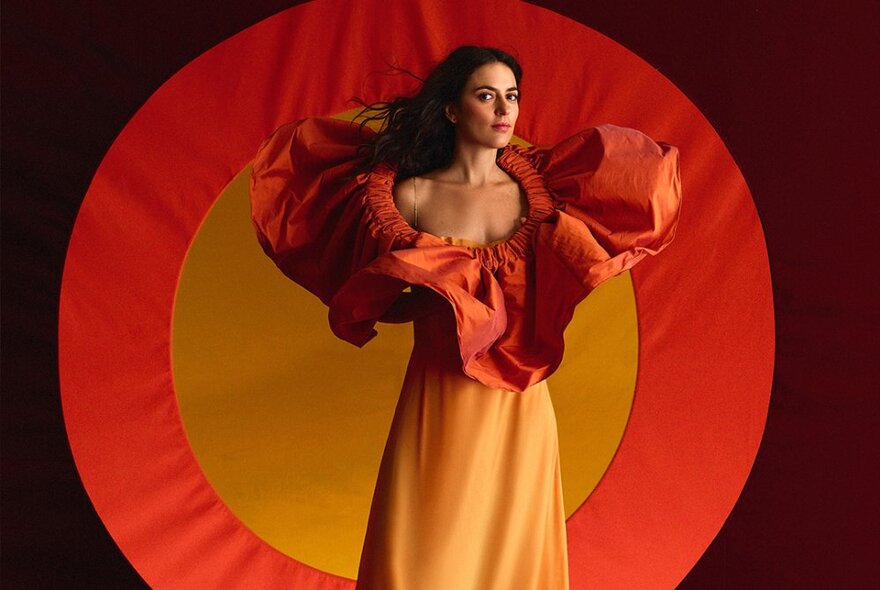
472 243
384 215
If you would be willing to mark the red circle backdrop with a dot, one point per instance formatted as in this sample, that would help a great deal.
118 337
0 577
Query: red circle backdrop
706 336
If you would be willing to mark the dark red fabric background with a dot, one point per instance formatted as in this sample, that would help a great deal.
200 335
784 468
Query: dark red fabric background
791 90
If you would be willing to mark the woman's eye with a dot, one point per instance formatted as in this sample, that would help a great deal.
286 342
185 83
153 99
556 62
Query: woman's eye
513 97
485 95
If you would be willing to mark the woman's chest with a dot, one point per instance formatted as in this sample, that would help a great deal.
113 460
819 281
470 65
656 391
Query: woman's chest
482 216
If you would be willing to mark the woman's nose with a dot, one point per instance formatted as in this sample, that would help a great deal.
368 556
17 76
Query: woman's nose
501 106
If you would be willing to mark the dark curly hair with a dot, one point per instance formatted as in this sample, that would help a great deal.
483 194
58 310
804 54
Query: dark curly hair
415 136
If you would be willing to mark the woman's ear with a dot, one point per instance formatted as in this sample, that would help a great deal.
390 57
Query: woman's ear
449 111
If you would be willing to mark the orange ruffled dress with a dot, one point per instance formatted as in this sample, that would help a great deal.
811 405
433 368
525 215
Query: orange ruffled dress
469 494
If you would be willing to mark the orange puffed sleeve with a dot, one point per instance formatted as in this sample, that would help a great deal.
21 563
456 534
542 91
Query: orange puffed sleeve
307 204
618 197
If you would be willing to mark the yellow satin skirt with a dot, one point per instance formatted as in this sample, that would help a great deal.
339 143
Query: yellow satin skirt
469 493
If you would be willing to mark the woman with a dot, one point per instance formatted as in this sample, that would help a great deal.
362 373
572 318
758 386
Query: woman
498 244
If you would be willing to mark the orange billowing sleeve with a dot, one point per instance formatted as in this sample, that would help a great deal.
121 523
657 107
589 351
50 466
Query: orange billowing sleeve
618 197
307 205
336 232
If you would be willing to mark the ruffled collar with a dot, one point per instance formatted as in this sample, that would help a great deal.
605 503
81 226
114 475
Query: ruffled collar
384 216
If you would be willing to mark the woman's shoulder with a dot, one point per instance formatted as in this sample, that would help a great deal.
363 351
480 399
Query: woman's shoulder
411 192
404 197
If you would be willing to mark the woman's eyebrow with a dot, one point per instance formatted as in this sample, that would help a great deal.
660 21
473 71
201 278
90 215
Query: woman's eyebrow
492 88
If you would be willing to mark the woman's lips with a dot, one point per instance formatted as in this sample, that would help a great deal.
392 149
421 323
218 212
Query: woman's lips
501 126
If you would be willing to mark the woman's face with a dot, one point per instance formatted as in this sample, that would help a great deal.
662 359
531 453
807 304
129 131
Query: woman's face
487 110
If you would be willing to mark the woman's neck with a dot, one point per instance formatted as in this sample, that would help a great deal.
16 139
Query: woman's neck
473 165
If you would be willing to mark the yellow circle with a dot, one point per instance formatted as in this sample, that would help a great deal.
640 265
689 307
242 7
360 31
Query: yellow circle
289 423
